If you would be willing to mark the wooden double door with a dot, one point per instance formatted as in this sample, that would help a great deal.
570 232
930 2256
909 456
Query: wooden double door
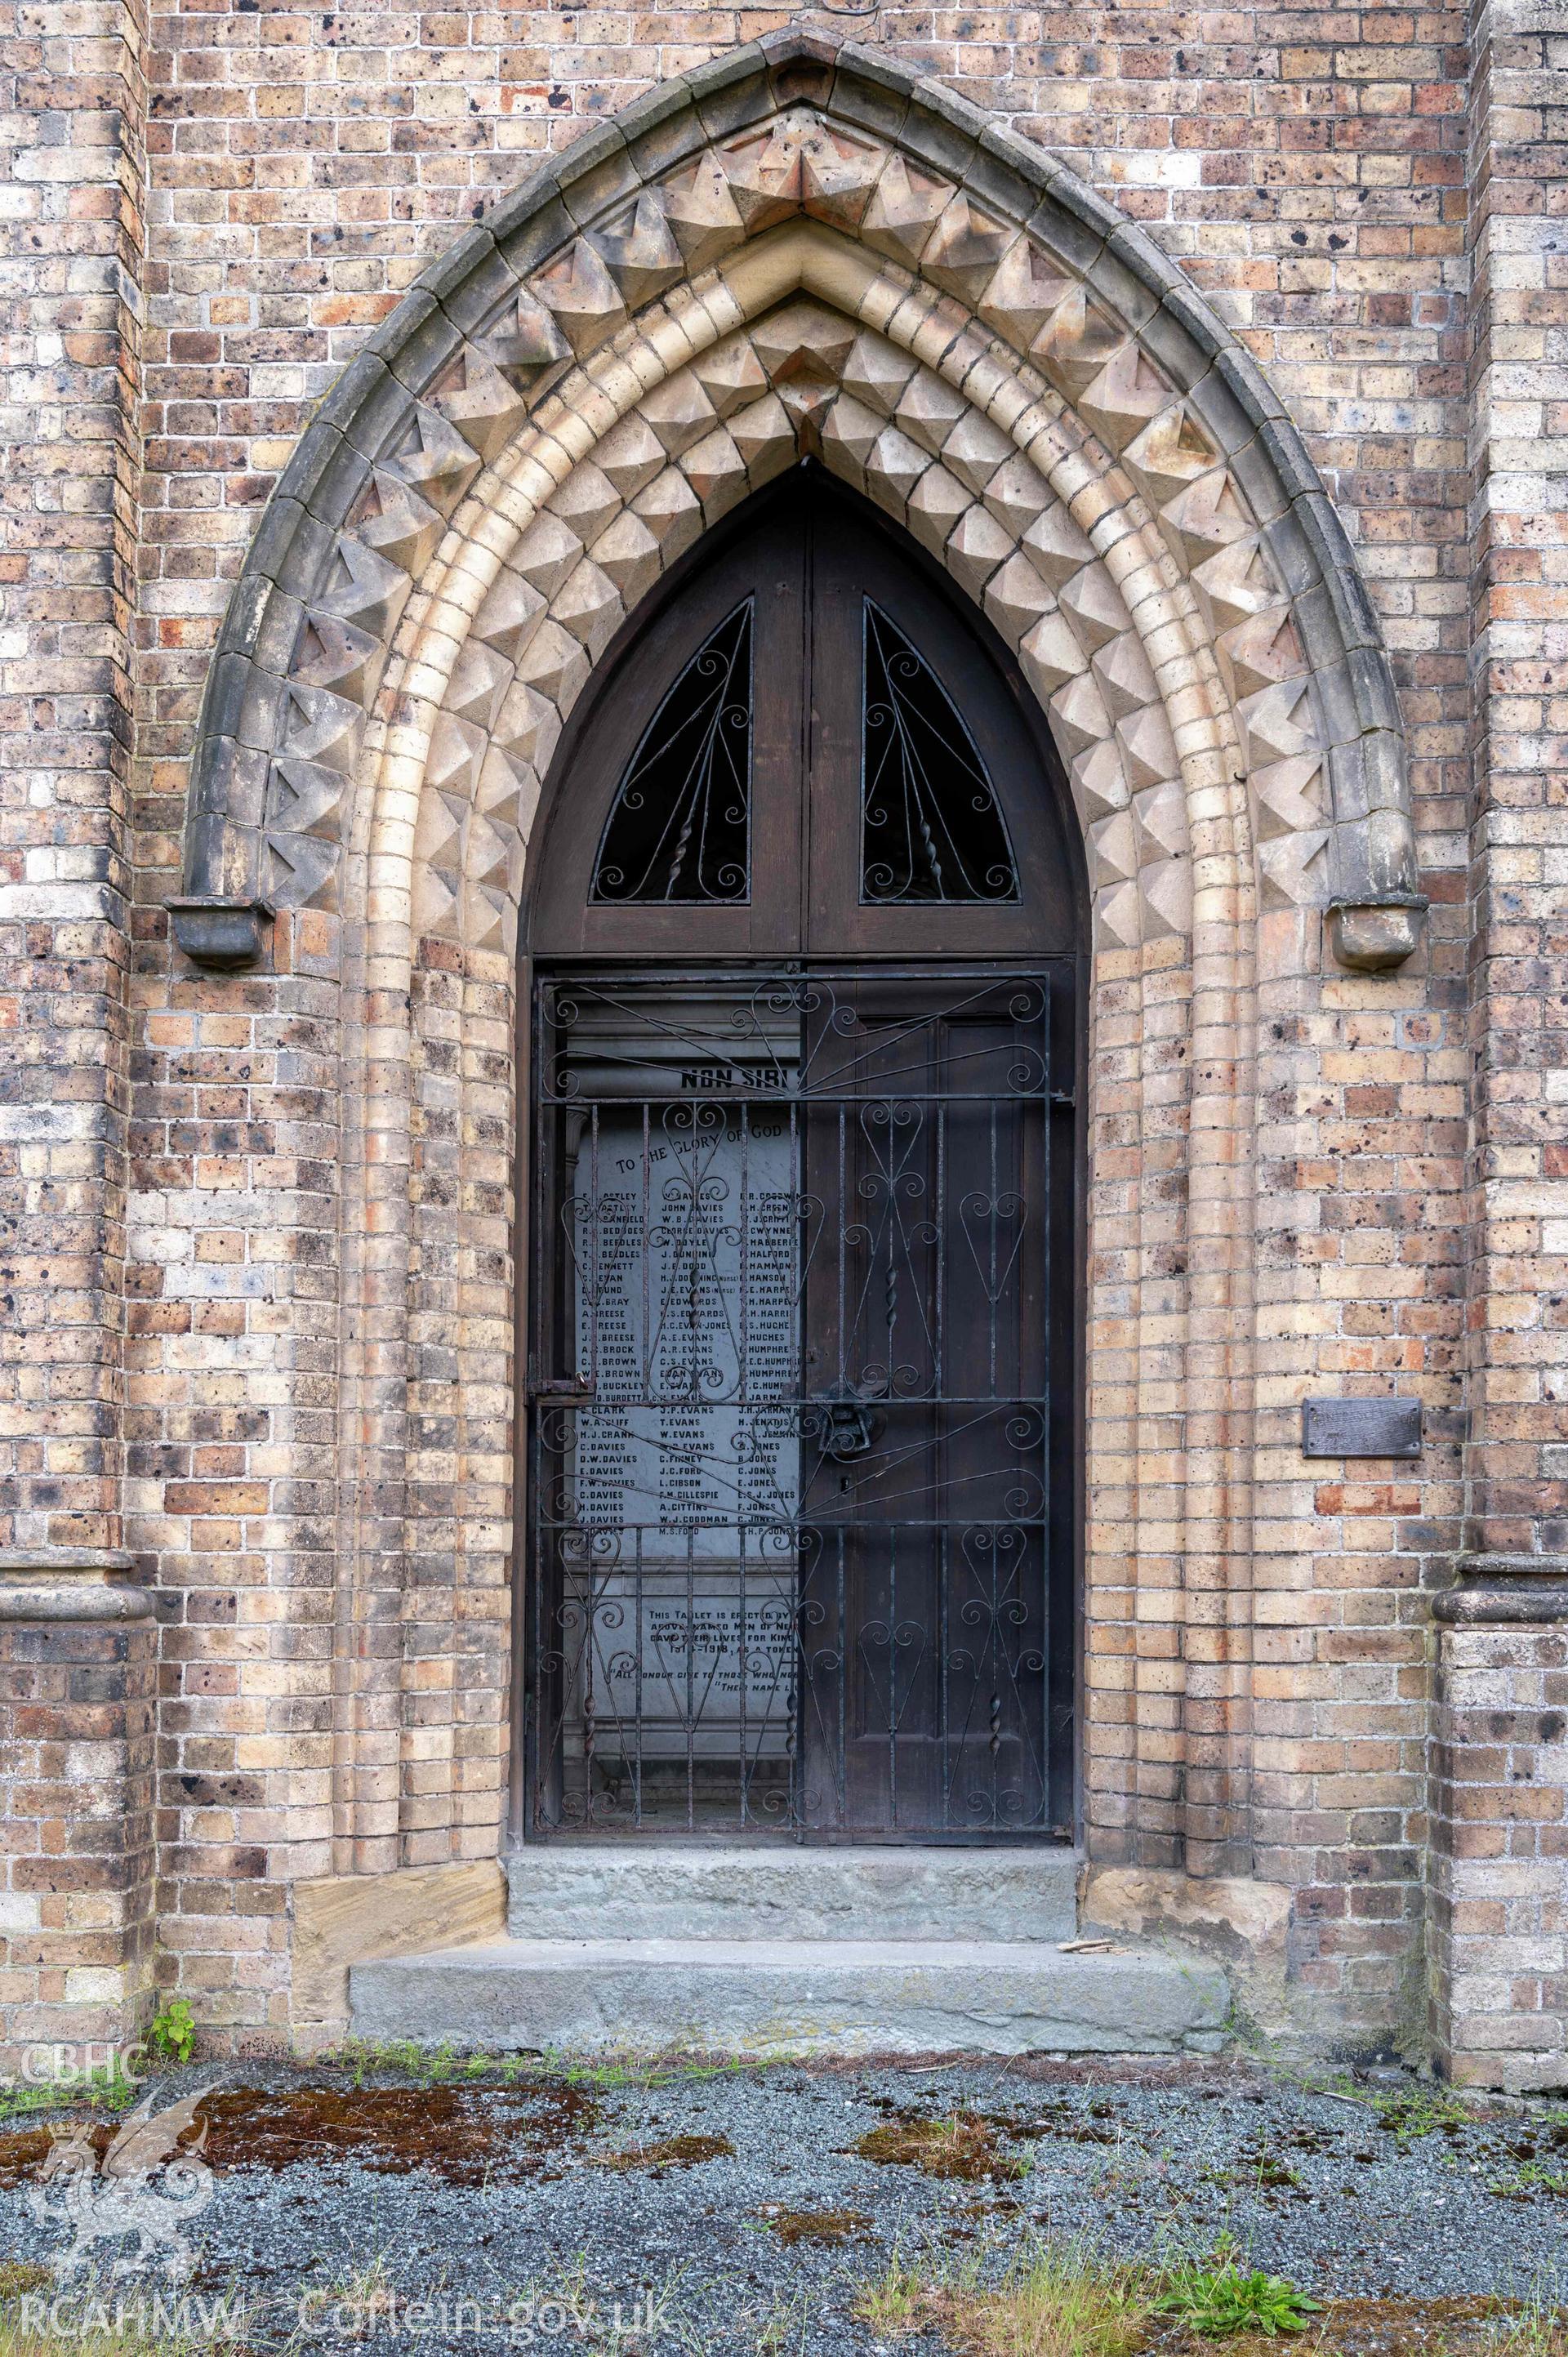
805 1011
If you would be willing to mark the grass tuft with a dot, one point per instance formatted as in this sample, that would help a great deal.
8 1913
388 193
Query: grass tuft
1068 2300
1054 2300
785 2329
610 2071
76 2332
18 2277
898 2300
1533 2328
672 2152
105 2087
429 2066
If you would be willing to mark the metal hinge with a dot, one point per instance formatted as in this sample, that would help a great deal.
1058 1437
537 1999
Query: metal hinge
566 1390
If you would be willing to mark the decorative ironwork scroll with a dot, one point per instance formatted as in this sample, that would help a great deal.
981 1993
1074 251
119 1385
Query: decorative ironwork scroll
801 1551
931 827
680 827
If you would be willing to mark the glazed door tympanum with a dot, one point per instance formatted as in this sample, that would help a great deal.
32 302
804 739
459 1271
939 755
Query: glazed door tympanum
803 1259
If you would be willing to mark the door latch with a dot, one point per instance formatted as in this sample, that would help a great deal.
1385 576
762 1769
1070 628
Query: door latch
840 1427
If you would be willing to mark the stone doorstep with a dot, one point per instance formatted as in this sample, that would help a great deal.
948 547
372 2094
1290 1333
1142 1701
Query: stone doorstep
673 1890
794 1996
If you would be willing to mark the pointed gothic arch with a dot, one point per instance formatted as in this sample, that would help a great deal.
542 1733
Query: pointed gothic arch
801 249
1053 347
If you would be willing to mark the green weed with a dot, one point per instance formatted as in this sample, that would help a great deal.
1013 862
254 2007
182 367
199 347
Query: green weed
173 2032
1218 2296
1407 2112
1423 2111
608 2072
21 2103
896 2301
1530 2177
105 2087
429 2066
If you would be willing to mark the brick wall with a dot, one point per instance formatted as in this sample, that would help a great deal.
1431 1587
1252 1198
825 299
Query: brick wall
76 1705
75 1702
72 231
1500 1912
1517 1315
300 171
1499 1865
1309 169
231 1447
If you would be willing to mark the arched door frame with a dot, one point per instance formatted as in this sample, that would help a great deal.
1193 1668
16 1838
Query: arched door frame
582 788
644 624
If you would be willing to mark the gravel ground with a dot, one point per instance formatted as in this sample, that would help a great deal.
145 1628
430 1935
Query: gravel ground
549 2196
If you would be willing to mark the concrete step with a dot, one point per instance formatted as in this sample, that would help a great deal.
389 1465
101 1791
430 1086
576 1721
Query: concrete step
793 1996
667 1891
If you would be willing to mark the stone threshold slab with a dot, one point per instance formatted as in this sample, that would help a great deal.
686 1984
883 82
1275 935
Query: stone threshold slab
794 1996
675 1890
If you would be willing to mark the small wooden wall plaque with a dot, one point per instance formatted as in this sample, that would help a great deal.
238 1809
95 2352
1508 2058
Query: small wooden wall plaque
1361 1427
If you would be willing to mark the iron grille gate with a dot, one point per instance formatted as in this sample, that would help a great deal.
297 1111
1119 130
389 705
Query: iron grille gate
801 1530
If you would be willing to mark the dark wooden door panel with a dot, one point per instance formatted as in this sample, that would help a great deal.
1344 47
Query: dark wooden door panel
854 561
768 566
798 1448
811 557
803 1431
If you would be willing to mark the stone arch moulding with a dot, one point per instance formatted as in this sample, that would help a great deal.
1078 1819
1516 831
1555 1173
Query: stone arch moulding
803 247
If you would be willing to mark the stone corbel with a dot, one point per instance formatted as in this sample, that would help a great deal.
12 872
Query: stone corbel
1376 912
53 1585
1371 936
1505 1587
219 933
